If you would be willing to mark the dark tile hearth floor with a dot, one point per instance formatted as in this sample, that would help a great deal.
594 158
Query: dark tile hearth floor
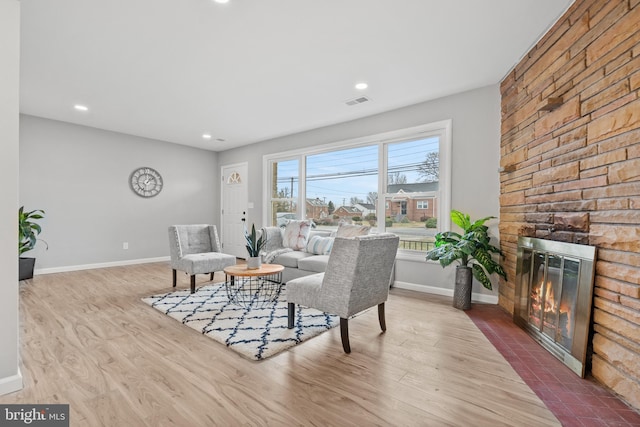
576 402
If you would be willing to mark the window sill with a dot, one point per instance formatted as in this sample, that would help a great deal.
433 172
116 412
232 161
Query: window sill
413 256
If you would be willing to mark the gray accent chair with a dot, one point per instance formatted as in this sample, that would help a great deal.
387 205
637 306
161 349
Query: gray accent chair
196 249
358 277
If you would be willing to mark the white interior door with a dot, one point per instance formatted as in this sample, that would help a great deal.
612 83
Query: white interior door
234 208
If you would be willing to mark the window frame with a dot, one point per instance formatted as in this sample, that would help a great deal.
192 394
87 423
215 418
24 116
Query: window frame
270 199
383 140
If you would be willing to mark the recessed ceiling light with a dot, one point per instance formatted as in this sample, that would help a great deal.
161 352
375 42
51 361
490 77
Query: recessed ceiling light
221 1
361 86
206 136
81 107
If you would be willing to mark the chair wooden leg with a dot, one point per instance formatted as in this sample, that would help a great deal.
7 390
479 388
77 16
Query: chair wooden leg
174 278
383 324
291 313
344 334
193 283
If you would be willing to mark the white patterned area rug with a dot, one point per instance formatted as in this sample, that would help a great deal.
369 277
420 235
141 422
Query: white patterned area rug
254 332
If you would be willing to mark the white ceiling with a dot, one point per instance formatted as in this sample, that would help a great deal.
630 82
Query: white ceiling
251 70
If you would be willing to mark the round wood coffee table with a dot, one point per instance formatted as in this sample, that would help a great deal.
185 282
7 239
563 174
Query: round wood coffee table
255 287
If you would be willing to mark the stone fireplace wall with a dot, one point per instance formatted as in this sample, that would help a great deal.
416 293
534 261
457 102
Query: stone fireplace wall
570 170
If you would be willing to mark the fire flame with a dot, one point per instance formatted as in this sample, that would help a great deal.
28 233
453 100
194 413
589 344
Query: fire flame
549 301
538 314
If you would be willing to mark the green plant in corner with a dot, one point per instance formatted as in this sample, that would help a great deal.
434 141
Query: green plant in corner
254 244
471 248
28 229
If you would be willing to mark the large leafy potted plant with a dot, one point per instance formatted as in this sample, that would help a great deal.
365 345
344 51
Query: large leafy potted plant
472 250
28 231
254 246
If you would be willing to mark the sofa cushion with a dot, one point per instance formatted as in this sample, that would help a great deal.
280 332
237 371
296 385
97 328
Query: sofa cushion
291 259
321 233
319 245
316 263
295 235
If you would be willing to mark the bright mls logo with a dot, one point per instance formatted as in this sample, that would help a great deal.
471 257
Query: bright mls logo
34 415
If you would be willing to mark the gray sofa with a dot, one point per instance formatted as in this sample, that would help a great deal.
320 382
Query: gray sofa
296 263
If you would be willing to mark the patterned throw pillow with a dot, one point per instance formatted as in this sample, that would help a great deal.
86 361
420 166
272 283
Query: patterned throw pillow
349 230
319 245
295 234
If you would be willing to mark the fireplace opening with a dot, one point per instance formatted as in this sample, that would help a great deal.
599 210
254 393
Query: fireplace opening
553 296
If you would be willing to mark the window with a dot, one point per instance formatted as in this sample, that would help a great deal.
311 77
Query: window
341 185
284 191
394 182
413 168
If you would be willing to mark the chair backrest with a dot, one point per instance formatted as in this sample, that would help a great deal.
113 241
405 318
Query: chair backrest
193 239
358 273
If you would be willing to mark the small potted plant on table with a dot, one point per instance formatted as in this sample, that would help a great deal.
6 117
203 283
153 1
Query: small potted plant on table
472 251
254 246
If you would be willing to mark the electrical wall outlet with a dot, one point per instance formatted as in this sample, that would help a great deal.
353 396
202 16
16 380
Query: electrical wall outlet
125 245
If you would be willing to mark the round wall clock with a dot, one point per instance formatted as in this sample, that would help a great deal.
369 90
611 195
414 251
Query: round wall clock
145 182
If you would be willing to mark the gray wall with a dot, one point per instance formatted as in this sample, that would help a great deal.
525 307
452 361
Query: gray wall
475 156
10 378
79 176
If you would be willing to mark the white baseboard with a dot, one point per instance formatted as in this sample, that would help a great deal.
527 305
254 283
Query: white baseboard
99 265
475 297
11 384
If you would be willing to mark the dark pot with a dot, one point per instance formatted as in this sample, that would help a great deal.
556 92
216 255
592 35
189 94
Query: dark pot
462 289
25 268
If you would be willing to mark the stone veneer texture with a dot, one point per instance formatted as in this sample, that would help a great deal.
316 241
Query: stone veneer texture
572 173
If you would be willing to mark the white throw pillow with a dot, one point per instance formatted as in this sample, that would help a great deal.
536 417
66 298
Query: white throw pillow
295 234
319 245
349 230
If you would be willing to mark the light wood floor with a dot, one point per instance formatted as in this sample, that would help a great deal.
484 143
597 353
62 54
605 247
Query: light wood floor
88 340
